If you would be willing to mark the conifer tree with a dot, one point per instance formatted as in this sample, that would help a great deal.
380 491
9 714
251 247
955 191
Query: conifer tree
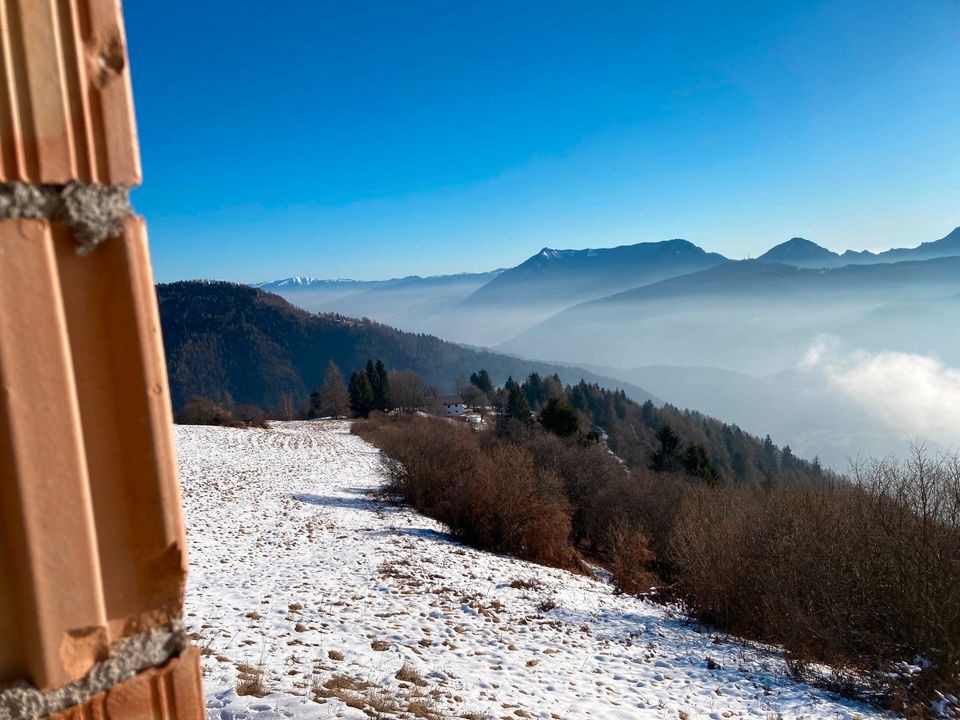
381 390
560 418
482 380
361 394
517 406
316 402
665 459
377 376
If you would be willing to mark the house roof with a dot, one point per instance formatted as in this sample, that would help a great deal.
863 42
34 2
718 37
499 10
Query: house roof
451 400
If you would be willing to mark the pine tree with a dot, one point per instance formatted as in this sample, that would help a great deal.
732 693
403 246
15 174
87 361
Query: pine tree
381 390
696 462
361 394
334 400
377 376
665 458
560 418
316 403
482 380
533 389
517 406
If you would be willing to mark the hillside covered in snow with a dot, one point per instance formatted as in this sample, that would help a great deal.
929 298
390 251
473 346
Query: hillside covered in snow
312 597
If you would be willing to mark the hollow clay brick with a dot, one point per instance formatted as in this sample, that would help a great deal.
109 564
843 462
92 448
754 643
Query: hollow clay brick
53 620
92 544
66 109
171 692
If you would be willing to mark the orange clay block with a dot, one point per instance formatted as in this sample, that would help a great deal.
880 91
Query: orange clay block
52 618
110 305
66 108
171 692
92 542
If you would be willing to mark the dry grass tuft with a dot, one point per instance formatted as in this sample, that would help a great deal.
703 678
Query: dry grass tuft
409 674
525 584
250 681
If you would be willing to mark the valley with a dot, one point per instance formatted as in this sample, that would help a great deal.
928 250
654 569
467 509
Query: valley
729 338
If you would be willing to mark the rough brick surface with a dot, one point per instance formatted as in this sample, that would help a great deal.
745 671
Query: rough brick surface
92 545
171 692
66 110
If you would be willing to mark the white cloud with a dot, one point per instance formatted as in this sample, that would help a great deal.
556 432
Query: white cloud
916 395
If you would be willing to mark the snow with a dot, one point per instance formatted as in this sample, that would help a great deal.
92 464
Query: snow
295 562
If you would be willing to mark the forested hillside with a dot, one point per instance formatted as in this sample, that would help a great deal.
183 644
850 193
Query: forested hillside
234 343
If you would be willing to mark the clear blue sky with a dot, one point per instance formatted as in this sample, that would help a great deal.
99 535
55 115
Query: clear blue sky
376 139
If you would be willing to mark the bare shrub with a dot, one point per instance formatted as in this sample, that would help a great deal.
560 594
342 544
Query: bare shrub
631 559
202 411
493 497
250 415
861 576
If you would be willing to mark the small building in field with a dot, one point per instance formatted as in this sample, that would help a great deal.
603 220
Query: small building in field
454 405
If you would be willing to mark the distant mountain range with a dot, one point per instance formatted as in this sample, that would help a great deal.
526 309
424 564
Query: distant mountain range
492 308
804 253
563 277
755 317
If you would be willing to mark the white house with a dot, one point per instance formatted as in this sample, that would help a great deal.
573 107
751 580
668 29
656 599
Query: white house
454 405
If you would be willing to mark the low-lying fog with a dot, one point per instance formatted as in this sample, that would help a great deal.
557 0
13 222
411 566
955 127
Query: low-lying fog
837 363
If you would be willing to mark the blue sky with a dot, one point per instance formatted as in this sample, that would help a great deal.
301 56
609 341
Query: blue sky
378 139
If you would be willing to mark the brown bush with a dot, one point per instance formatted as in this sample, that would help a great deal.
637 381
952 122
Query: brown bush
632 561
202 411
861 576
493 497
250 415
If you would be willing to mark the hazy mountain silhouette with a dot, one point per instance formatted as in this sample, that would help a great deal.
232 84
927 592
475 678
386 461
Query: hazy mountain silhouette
567 276
804 253
801 253
747 316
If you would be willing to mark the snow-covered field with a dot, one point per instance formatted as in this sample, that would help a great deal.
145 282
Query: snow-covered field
302 580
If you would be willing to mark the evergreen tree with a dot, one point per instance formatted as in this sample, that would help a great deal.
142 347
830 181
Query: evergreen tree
560 418
517 406
315 404
578 397
666 459
649 413
696 462
334 400
381 387
361 394
770 458
482 380
533 389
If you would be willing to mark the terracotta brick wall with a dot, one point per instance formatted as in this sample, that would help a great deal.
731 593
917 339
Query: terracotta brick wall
92 545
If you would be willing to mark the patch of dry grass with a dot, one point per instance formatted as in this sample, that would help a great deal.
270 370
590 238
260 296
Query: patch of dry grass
378 701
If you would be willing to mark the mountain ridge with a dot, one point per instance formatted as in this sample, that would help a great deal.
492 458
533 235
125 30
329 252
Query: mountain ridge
234 343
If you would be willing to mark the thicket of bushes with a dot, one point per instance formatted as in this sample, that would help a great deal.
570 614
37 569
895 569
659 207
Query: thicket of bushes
864 576
861 577
203 411
494 497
